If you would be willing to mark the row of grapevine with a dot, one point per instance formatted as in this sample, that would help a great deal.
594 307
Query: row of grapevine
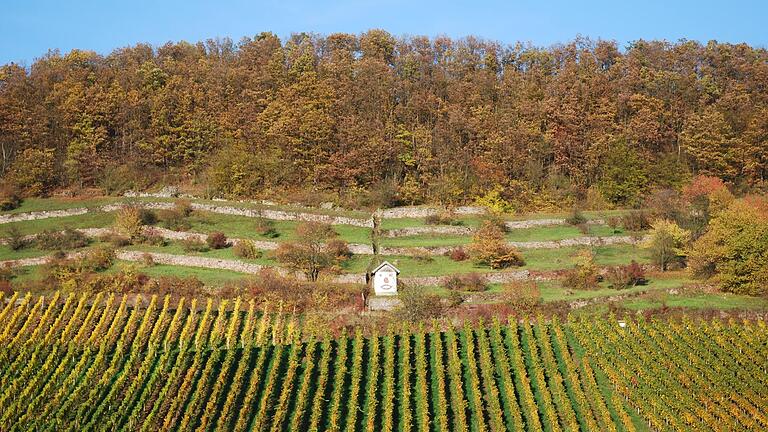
98 362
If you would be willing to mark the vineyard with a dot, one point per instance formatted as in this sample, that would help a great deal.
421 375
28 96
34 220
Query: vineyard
107 362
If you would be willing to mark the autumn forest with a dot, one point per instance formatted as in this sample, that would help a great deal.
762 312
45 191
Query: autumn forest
379 119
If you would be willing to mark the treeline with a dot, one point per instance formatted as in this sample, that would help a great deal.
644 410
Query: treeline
390 119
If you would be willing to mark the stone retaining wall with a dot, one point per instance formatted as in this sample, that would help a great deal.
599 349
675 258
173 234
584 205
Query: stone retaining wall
17 217
498 277
438 230
421 212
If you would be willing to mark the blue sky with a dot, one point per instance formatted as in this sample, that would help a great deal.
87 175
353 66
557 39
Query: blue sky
28 28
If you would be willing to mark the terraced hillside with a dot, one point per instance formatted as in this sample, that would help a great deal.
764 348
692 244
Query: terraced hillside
118 363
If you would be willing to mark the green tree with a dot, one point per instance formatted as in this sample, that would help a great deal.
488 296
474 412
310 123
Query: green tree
666 243
624 179
314 251
734 249
34 171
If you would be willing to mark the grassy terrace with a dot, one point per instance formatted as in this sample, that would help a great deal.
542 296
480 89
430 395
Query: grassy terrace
545 233
47 204
244 227
87 220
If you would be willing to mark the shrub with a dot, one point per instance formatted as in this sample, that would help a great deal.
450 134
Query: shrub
636 220
9 198
419 305
148 260
422 256
614 223
174 220
183 207
128 222
442 218
246 249
666 242
458 254
585 274
621 277
489 248
152 236
16 240
467 282
339 249
498 221
147 216
194 244
576 217
494 201
61 240
98 259
524 296
266 228
116 240
510 258
7 272
217 240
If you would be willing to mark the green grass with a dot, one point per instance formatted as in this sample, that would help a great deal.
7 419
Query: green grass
244 227
7 254
563 258
175 248
88 220
543 233
698 301
554 291
210 277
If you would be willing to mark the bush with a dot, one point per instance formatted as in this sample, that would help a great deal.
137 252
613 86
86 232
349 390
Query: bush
576 217
128 222
524 296
16 240
152 236
183 207
98 259
174 220
467 282
61 240
9 198
457 254
339 249
246 249
147 216
621 277
7 272
194 244
266 228
419 305
442 218
636 220
217 240
584 275
497 221
614 223
116 240
148 260
489 248
422 256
